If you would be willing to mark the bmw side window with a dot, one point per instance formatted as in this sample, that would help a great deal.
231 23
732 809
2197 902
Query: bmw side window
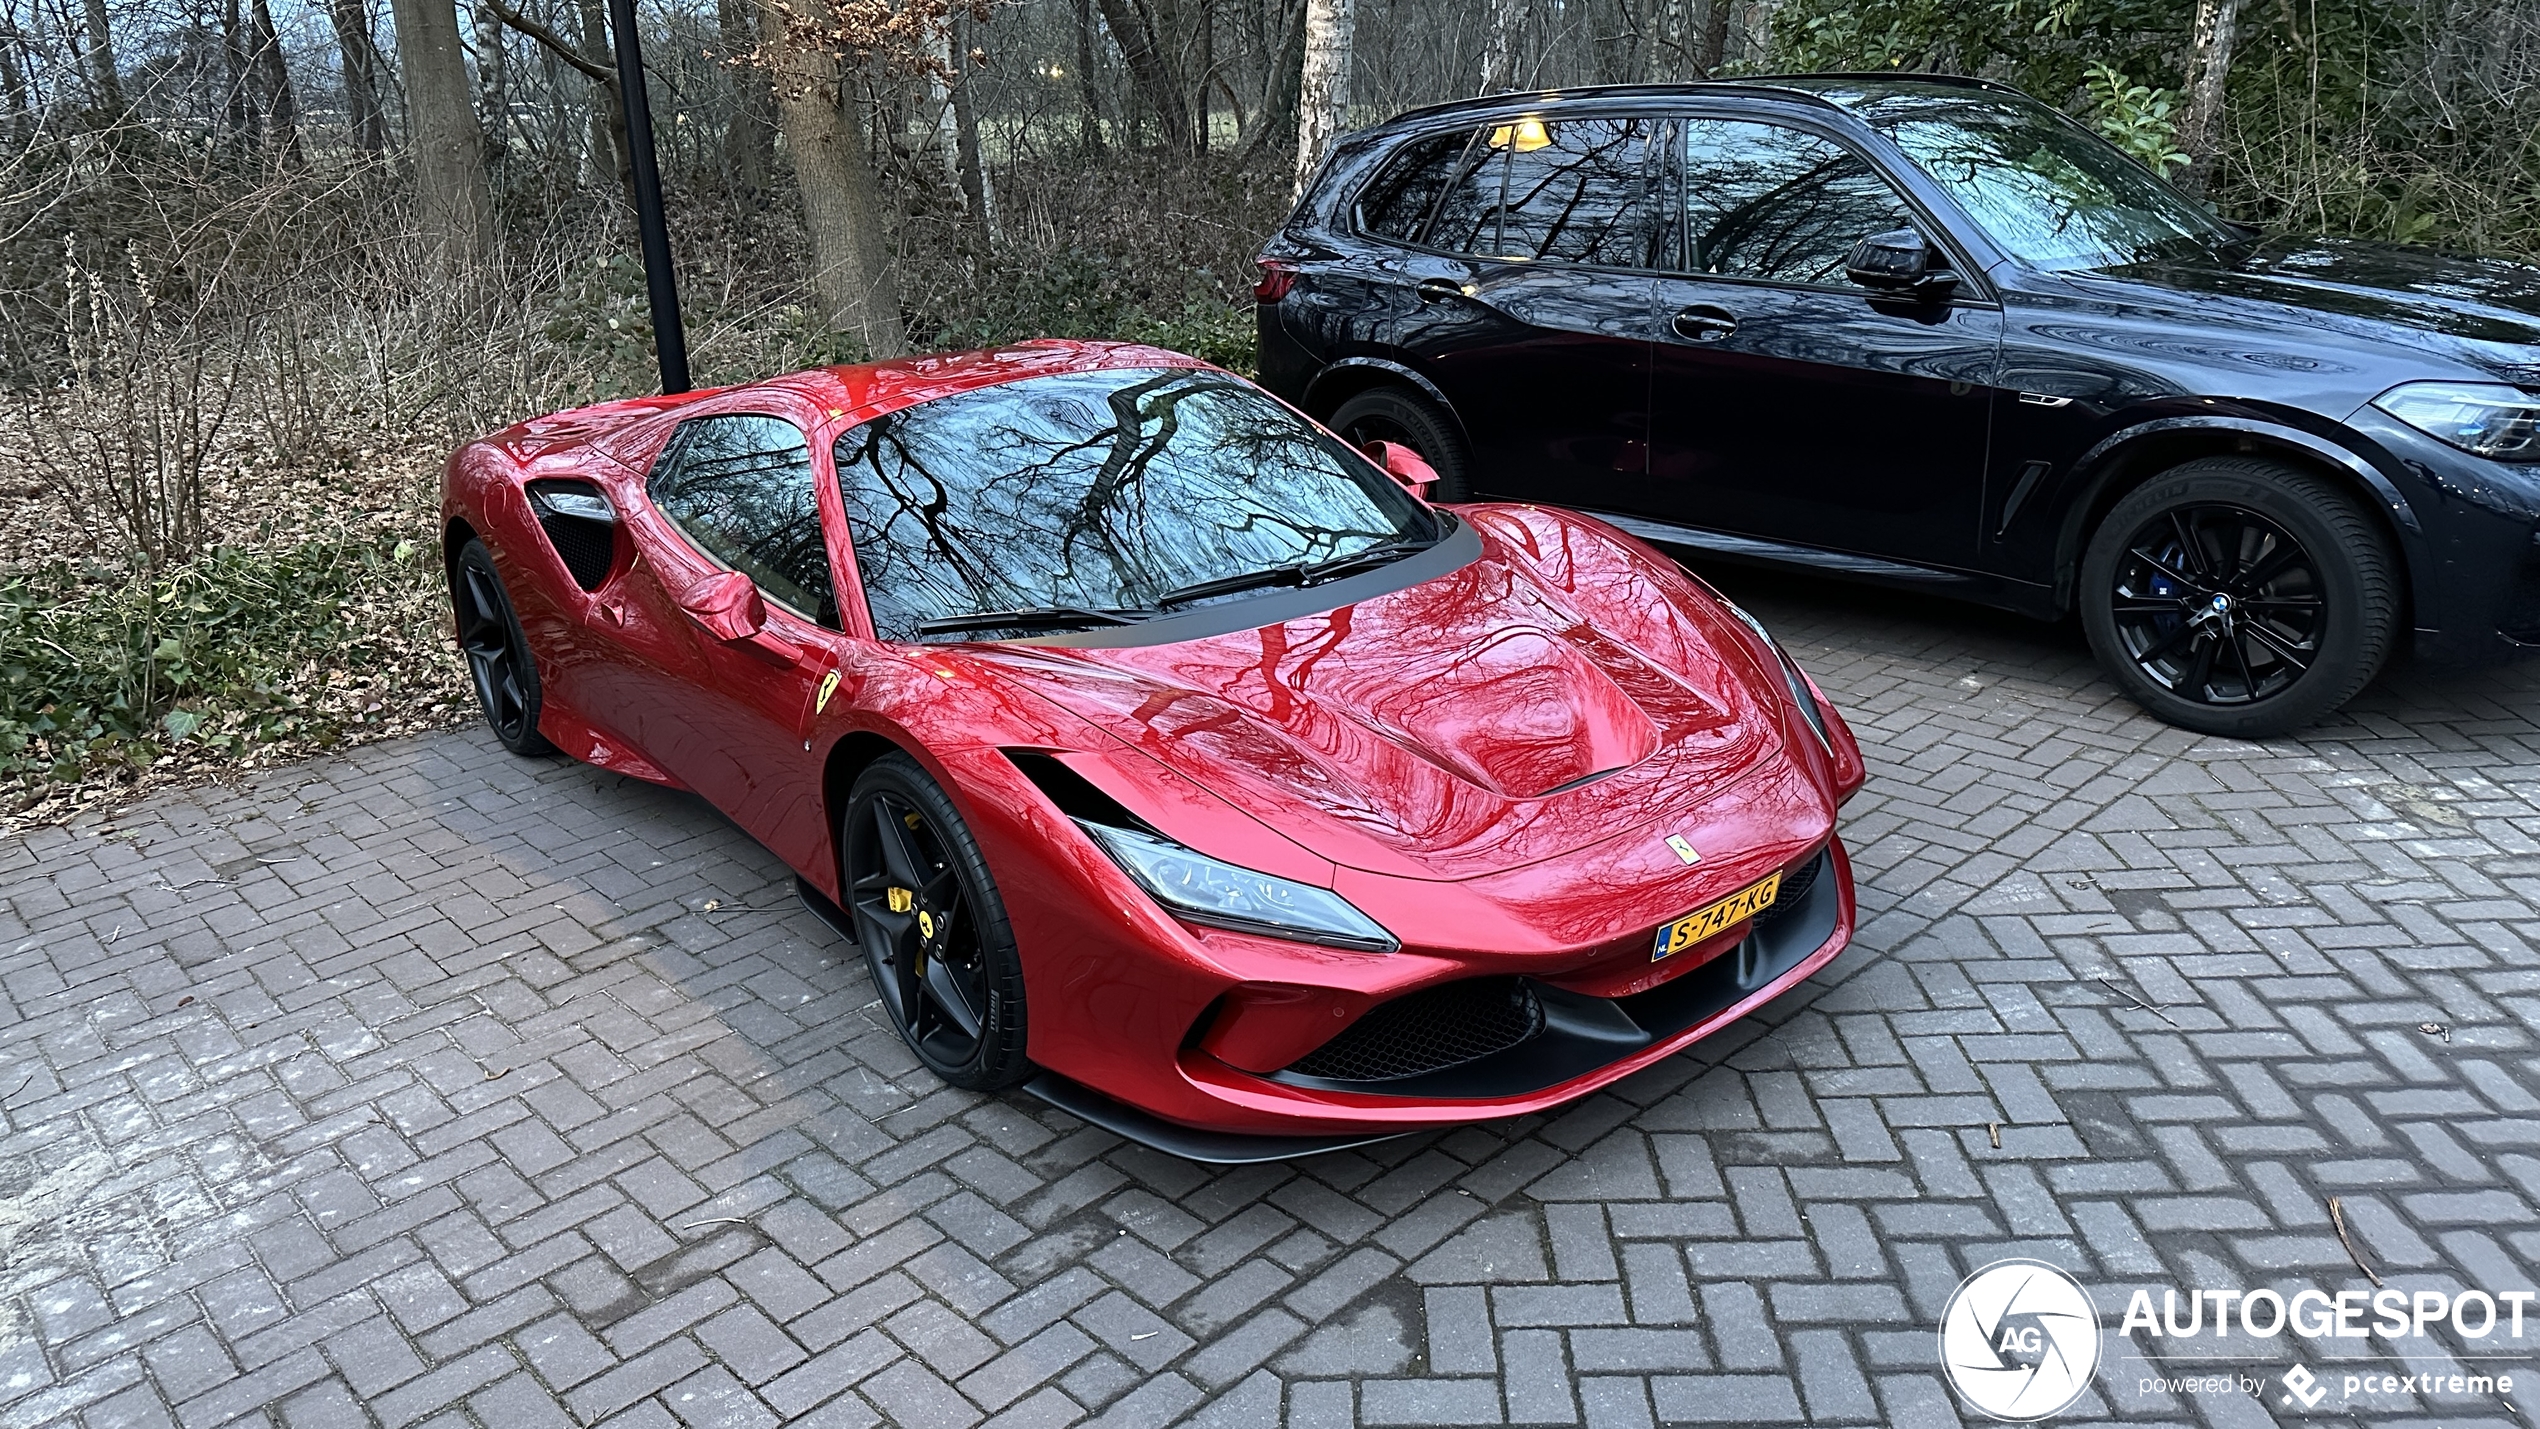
1397 204
1468 206
740 486
1578 191
1770 202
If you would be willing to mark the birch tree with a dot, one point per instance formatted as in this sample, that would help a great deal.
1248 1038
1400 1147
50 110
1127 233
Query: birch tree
2208 69
1499 46
1323 84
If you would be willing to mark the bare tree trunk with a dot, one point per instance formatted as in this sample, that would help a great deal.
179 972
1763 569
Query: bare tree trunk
1141 47
238 107
749 150
1499 48
273 83
1085 77
978 190
1282 83
1669 53
451 204
2208 71
608 107
103 74
851 274
493 92
1715 38
365 115
13 85
1322 84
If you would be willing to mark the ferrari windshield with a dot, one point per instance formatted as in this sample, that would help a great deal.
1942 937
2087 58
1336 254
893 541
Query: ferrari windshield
2051 192
1089 498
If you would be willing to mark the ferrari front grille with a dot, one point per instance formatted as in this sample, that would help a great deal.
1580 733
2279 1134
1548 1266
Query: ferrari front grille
1796 881
1429 1030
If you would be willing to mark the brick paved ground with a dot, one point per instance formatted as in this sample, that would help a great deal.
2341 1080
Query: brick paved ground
419 1085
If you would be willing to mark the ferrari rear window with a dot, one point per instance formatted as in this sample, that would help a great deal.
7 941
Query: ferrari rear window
1100 492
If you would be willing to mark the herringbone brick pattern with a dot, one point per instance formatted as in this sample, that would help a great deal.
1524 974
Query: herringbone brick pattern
424 1085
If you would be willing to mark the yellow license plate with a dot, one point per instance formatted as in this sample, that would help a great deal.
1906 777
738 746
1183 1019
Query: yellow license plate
1709 922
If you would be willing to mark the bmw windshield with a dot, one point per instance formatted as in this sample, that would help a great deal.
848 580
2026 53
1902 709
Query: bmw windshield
1087 499
2050 192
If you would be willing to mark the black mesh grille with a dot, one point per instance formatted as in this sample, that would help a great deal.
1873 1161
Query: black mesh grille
1796 882
1426 1031
589 548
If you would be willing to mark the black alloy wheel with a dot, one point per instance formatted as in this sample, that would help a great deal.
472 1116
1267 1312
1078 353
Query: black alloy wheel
1400 415
498 658
932 927
2239 597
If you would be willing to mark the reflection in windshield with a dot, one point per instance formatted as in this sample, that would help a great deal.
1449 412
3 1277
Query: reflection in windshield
1772 202
2051 192
1103 490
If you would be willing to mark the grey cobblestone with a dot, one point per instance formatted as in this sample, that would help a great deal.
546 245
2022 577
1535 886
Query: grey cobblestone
417 1085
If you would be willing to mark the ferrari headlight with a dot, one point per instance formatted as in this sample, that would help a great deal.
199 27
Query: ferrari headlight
1797 682
2486 419
1204 890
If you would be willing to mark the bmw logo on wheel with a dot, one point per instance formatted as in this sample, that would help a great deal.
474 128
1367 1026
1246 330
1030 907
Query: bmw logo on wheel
2020 1340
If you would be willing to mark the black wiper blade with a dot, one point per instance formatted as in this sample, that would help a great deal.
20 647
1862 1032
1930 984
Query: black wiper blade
1228 585
1301 574
1033 617
1382 553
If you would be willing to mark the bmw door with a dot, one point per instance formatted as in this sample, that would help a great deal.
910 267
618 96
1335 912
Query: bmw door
1789 404
1528 292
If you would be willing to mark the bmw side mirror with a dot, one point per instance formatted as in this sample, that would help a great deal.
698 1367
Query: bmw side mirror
1898 263
1404 465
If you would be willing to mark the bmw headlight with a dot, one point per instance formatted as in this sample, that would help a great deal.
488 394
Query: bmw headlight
1205 890
2486 419
1791 677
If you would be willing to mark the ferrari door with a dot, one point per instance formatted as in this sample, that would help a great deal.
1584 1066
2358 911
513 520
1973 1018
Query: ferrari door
741 574
1535 328
1788 403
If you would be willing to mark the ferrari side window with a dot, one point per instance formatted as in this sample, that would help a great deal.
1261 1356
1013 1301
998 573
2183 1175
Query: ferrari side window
740 487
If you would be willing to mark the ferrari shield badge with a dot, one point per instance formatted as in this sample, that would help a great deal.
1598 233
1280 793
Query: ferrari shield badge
828 687
1684 849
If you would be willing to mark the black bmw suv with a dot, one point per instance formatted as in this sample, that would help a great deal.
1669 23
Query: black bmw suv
1932 333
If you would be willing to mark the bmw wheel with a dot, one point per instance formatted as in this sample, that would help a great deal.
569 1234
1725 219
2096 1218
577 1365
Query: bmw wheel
1398 414
498 658
933 930
2240 597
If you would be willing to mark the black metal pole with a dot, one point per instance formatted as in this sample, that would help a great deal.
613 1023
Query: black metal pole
670 339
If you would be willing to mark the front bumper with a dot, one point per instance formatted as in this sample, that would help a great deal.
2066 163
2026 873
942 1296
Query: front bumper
2474 559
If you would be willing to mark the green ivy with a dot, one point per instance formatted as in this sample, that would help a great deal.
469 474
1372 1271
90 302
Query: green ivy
99 669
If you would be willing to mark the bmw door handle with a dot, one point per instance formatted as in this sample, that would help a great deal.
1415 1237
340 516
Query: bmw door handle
1438 290
1704 323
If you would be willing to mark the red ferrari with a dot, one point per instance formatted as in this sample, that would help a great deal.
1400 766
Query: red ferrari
1164 754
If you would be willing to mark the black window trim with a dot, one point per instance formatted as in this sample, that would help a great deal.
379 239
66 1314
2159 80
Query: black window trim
1973 290
1659 118
670 453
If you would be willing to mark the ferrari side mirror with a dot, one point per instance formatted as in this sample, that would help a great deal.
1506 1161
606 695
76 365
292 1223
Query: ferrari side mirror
727 604
1404 465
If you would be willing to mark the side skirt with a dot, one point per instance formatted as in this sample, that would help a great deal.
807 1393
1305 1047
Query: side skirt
2002 592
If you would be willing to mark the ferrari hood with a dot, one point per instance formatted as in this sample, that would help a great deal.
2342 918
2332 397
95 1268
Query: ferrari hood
1464 725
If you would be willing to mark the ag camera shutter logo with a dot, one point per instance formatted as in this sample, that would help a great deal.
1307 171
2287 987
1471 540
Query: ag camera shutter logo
2019 1340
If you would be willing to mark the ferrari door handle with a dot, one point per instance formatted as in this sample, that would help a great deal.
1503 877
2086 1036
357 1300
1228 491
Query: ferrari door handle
1439 290
1704 323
